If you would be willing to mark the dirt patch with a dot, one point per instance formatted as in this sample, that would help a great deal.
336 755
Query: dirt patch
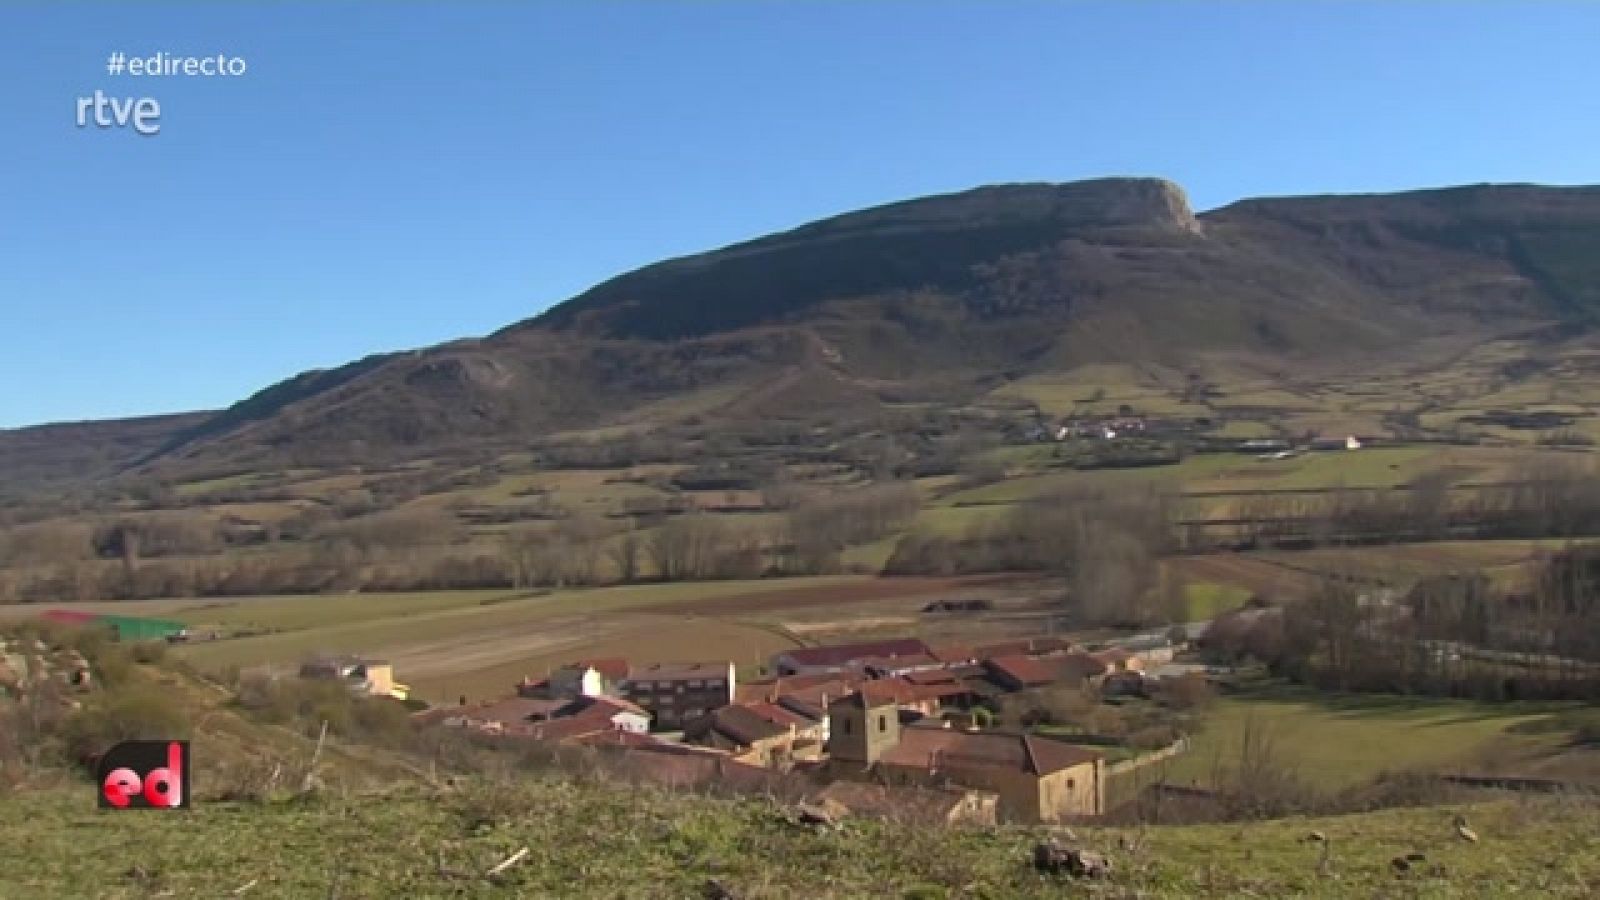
828 626
879 589
1255 575
638 639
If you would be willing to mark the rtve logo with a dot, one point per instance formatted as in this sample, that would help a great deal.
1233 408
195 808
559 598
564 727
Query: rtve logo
144 775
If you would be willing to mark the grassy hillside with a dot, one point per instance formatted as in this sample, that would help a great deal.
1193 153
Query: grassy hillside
591 840
1334 742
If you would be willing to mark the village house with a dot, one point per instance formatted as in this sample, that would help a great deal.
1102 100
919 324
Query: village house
1026 646
946 688
551 718
1036 779
891 666
954 654
678 693
810 722
372 677
811 686
1021 673
587 678
1124 684
585 717
755 736
941 806
494 717
1151 649
1118 659
854 657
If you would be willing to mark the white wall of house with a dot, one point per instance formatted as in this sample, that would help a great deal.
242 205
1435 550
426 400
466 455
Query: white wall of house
570 681
630 721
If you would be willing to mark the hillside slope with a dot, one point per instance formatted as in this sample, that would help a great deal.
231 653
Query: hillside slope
588 840
948 296
44 456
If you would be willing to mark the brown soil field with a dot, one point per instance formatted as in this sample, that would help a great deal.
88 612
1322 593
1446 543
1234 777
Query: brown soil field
1251 573
855 594
489 668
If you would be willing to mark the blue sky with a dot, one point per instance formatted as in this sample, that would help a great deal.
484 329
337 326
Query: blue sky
391 176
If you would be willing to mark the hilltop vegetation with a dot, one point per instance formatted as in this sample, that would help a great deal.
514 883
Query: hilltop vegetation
600 840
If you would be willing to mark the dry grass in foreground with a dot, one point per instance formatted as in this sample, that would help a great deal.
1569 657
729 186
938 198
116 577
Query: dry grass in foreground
601 840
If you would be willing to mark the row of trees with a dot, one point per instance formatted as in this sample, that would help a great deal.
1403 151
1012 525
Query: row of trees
430 548
1450 635
1544 499
1105 544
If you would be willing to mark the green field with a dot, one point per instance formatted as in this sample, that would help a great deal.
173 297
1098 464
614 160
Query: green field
1374 467
376 623
1207 600
1334 742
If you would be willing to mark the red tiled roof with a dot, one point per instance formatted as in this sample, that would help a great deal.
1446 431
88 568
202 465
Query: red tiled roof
739 724
887 692
1032 671
614 668
1028 646
842 654
614 705
1024 670
682 671
780 716
1080 665
566 729
952 653
907 661
509 710
689 770
940 690
925 748
617 737
72 616
866 799
773 688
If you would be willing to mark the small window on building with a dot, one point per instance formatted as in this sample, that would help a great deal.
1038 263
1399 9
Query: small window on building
716 683
846 723
1071 784
696 683
883 723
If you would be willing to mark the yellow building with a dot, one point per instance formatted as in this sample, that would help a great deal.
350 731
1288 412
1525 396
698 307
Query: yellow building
372 677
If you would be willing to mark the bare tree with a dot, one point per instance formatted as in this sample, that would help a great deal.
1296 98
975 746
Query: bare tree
626 552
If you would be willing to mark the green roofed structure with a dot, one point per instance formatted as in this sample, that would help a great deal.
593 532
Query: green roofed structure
127 628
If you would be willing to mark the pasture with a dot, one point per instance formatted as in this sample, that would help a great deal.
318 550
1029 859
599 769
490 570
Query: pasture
1333 742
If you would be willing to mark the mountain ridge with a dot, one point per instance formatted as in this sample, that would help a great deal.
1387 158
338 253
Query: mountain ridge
959 289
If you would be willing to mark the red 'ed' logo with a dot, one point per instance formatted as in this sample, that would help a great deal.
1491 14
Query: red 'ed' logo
144 775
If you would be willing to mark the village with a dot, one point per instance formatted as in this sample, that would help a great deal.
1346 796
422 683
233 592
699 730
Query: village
887 727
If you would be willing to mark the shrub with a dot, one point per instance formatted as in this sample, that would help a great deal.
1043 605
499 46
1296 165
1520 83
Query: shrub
149 652
983 717
1190 692
141 712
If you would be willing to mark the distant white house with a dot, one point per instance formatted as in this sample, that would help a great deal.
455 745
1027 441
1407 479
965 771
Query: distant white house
587 678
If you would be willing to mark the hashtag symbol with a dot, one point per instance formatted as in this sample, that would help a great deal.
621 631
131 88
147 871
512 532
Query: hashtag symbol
114 63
